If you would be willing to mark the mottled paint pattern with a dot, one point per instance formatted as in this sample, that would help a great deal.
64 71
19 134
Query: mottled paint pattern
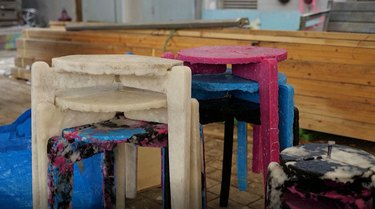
85 141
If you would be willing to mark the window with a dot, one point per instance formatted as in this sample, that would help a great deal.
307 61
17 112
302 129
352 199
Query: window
239 4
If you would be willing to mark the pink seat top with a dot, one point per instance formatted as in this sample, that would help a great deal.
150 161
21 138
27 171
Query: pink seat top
230 54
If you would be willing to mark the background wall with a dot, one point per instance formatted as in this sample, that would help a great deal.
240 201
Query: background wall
157 10
50 9
138 10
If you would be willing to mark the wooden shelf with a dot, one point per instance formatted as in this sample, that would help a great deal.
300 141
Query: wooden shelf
109 99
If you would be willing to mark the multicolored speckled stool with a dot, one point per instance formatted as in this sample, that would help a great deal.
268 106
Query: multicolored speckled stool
322 176
85 141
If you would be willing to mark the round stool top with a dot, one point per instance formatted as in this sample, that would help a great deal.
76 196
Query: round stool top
345 164
230 54
114 64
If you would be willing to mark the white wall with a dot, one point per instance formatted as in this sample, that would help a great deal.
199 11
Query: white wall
99 10
118 10
157 10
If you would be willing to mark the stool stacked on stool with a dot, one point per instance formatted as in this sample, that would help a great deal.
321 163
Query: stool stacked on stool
320 176
248 93
83 89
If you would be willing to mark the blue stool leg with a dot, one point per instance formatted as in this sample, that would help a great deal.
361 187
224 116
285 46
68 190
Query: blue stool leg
242 155
286 115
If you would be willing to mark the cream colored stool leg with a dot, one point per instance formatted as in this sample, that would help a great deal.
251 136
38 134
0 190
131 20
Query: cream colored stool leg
179 117
48 121
120 175
42 91
131 152
196 160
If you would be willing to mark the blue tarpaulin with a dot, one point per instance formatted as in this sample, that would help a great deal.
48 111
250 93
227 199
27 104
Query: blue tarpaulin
16 175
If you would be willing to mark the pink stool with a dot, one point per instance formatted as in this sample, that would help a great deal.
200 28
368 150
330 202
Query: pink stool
254 63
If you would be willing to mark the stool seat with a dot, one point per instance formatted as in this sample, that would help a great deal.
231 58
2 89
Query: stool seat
310 178
109 99
120 130
345 165
230 54
212 86
114 65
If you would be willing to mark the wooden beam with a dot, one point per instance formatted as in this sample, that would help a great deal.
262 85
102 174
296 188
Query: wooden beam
78 10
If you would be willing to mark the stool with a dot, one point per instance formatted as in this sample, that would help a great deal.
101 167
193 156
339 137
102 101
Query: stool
82 89
254 63
322 176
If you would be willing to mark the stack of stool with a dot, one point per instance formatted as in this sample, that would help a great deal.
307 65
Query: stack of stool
249 93
87 89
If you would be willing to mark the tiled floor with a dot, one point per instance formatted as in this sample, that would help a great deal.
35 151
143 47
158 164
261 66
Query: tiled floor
252 198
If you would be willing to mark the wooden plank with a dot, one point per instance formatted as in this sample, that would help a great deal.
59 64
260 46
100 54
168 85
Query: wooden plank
352 17
359 130
336 91
234 35
333 73
353 6
330 72
21 73
352 27
328 54
336 108
24 62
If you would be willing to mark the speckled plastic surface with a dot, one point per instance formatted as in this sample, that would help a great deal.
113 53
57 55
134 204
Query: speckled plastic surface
309 178
230 54
206 86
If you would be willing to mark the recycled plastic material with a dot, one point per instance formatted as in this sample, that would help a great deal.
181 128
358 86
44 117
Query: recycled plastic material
16 175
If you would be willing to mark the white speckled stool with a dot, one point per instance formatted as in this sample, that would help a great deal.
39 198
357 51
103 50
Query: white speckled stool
322 176
83 89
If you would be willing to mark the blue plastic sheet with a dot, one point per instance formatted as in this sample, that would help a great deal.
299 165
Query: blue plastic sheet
16 175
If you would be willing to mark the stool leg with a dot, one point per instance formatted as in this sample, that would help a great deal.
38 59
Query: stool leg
131 170
166 180
119 176
195 156
108 172
179 117
286 113
296 127
257 149
266 75
203 159
60 174
227 161
242 155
